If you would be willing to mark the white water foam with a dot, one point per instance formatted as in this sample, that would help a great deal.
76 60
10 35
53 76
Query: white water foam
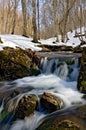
66 91
53 80
53 84
29 123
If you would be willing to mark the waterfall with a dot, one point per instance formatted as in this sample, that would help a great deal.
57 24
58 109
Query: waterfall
58 77
60 68
48 65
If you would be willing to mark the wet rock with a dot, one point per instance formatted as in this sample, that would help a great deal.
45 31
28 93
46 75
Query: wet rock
81 112
82 74
65 120
68 125
15 63
60 123
70 62
50 102
26 106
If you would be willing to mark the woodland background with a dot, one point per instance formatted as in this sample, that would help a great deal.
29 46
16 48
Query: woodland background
42 18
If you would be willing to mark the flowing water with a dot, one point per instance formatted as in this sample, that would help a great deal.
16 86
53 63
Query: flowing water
56 77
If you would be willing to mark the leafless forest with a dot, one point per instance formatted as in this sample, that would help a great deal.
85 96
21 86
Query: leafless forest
42 18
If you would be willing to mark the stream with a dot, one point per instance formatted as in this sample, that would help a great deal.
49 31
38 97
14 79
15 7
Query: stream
58 76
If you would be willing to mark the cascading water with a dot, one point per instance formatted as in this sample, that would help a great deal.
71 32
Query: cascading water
57 77
60 68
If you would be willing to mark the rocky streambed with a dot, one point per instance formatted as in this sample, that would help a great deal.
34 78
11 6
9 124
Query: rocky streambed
50 94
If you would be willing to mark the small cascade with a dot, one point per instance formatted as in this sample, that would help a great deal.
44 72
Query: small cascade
49 65
59 77
64 70
61 70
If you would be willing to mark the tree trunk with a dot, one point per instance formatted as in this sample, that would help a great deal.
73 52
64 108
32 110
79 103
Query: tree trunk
56 29
35 37
14 17
24 11
38 20
2 23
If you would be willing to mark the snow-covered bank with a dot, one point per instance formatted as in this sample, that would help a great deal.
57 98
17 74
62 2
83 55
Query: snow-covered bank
26 43
18 41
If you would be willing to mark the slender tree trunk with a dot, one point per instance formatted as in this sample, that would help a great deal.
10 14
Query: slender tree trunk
14 17
24 11
56 29
38 20
34 21
2 23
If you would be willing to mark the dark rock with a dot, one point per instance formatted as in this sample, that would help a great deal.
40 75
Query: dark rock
50 102
80 112
26 106
82 74
65 120
56 48
15 63
78 49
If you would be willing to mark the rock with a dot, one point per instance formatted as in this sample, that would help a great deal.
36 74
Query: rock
50 102
56 48
65 120
78 49
15 63
26 106
80 112
82 74
70 61
68 125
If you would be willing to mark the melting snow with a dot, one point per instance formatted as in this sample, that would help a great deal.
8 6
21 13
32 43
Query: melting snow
26 43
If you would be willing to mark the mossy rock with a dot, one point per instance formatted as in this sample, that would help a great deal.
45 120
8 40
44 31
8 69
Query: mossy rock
73 119
82 74
83 86
81 112
26 106
60 124
3 114
50 102
70 62
14 63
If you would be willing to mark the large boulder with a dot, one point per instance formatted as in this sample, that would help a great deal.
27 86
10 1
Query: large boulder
50 102
65 120
26 106
15 63
82 74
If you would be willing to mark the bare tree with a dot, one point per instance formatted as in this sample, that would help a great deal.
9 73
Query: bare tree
34 21
14 16
24 12
38 19
2 22
66 8
55 19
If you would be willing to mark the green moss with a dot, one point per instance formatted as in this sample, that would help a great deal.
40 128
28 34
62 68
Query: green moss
83 86
63 125
82 74
4 114
15 63
70 62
